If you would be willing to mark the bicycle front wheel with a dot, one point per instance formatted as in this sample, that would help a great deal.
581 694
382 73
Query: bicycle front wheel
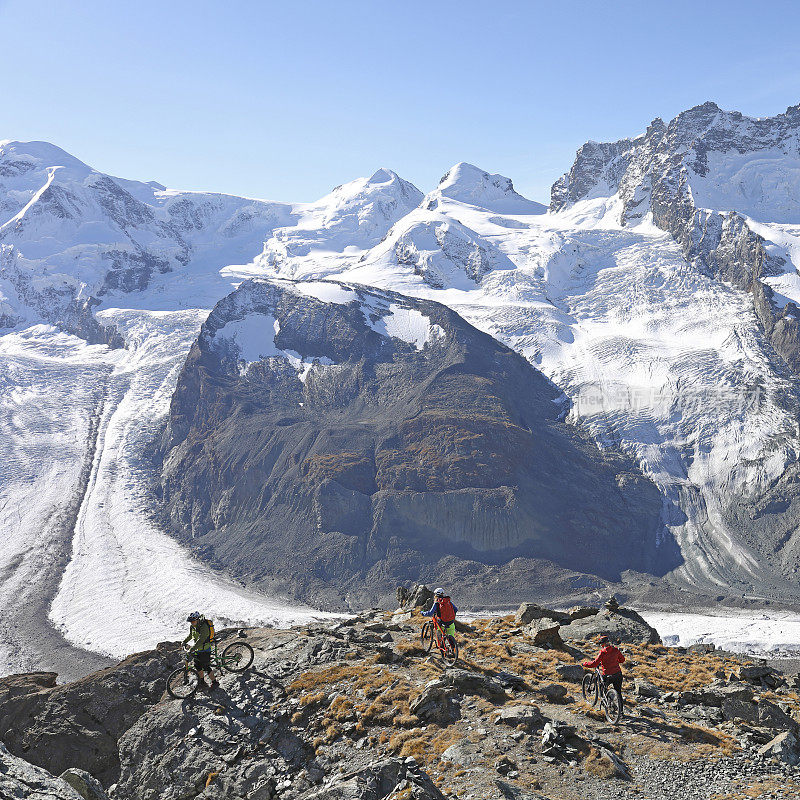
182 683
450 652
426 637
237 657
589 688
613 706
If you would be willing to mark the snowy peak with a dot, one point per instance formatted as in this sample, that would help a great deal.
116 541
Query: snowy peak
384 194
714 159
468 184
351 219
21 158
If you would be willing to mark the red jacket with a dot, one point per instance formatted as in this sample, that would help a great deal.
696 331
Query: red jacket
608 659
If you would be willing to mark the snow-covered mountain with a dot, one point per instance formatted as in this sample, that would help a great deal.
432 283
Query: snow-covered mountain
659 293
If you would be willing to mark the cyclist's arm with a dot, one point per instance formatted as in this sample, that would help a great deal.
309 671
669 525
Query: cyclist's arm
455 607
592 664
434 609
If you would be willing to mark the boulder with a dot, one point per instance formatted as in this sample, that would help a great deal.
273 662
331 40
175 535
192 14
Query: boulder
715 693
420 596
545 633
737 708
86 785
623 626
434 704
701 648
553 692
401 618
19 779
754 672
772 716
643 688
473 683
571 672
528 612
702 713
460 754
785 747
528 716
581 612
390 777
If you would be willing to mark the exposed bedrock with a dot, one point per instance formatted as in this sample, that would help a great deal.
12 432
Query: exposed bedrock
313 442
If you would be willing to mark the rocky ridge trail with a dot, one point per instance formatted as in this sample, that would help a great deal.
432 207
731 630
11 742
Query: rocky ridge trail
356 710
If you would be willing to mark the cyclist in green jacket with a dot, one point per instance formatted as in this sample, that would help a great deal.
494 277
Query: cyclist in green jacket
202 635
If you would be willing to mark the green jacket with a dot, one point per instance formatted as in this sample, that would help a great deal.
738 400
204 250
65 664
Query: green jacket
201 634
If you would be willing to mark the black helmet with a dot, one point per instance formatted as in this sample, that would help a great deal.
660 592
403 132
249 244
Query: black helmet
605 640
193 617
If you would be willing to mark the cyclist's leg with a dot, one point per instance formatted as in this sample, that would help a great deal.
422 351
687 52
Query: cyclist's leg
615 680
449 630
202 663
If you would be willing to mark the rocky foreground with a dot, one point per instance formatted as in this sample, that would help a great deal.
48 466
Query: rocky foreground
355 710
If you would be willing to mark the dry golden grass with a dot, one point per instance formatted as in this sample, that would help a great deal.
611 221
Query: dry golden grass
599 765
582 707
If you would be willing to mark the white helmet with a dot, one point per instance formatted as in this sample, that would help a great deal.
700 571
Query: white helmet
438 592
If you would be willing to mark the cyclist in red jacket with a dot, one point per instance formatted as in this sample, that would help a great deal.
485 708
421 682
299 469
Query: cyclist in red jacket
444 609
609 659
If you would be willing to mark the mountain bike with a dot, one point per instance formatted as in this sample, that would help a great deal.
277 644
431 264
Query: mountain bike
594 688
433 633
184 681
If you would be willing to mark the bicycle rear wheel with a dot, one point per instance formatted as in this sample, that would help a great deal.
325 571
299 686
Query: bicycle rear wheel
450 652
613 706
237 657
426 637
182 683
589 688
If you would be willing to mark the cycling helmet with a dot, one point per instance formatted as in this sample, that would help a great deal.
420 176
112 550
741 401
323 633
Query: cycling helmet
439 592
605 640
193 617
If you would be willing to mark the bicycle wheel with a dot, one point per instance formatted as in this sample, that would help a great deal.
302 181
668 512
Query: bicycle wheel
236 657
589 688
450 652
612 706
182 683
426 637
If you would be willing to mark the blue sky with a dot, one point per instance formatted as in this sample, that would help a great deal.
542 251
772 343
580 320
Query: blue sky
286 100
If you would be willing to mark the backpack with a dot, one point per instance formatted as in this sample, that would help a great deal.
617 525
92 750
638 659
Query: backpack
210 623
446 611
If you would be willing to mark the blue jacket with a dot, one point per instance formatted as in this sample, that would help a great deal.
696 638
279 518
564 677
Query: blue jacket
434 609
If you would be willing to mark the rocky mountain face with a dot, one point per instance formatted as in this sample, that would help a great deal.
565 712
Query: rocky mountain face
334 439
726 187
356 710
702 177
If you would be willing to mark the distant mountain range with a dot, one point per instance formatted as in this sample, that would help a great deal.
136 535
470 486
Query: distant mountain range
655 302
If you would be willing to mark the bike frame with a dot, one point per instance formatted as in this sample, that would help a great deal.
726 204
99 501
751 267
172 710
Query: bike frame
439 638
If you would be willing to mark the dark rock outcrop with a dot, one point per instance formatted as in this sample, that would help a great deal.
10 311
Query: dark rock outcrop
19 779
310 442
59 727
